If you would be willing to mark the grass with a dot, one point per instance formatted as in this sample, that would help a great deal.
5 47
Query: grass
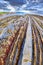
1 13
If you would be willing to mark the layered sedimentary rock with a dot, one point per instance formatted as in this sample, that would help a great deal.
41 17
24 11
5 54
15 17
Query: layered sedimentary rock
12 32
10 45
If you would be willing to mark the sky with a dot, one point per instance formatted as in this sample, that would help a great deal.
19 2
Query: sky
37 8
8 6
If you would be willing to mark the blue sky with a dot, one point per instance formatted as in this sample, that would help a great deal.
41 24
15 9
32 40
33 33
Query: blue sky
7 6
36 8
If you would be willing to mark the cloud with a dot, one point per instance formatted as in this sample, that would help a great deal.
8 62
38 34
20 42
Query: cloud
12 9
7 8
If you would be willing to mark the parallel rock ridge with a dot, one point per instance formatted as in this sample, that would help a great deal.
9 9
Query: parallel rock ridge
12 32
10 46
37 37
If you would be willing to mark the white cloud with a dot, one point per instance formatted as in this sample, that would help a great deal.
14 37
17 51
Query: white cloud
9 8
12 9
1 10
